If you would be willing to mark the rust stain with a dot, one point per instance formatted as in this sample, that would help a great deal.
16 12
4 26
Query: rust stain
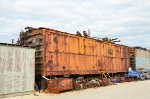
59 85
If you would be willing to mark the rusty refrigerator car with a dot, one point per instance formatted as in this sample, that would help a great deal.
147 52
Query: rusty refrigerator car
17 68
61 53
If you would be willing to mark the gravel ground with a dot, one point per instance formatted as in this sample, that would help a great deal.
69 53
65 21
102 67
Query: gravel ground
128 90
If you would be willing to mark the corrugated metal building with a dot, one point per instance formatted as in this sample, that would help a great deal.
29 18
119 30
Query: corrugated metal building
17 70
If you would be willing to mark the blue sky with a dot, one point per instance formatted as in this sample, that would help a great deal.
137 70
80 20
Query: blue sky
129 20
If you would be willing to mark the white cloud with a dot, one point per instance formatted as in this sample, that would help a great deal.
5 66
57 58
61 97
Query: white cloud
126 19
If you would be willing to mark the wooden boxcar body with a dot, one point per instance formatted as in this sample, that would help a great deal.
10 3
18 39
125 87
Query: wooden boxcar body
61 53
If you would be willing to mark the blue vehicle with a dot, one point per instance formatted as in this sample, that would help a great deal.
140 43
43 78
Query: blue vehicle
132 73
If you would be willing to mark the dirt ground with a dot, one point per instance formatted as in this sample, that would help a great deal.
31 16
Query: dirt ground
128 90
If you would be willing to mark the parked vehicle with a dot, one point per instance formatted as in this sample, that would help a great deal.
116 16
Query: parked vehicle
145 74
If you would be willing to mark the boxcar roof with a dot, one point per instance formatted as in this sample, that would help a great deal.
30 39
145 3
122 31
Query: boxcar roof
74 35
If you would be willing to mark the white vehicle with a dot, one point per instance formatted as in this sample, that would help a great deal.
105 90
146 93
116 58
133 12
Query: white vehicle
145 74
